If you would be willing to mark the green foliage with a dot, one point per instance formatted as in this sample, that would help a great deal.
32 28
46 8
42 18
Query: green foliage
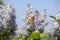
53 17
28 31
22 37
58 20
46 37
42 35
6 33
37 36
1 3
34 35
13 38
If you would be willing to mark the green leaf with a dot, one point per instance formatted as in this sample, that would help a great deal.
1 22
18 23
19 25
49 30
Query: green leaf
34 35
53 17
42 35
13 38
46 37
28 30
21 37
1 3
58 20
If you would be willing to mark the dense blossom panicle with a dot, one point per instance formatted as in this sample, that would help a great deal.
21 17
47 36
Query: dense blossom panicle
55 24
7 20
34 20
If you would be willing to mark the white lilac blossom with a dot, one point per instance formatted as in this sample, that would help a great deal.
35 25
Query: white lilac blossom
23 29
58 13
40 21
31 27
43 15
29 10
24 18
1 22
52 32
7 20
10 8
28 13
55 24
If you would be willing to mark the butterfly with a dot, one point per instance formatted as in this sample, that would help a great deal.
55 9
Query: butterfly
31 19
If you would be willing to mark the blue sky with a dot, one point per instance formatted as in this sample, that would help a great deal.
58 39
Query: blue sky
40 5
